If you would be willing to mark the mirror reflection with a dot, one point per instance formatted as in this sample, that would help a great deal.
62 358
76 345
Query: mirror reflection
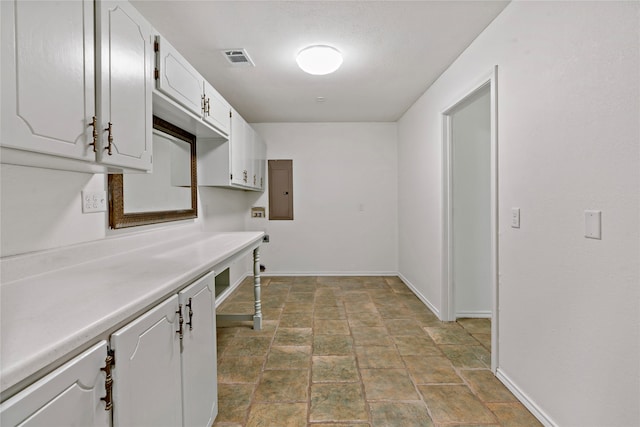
169 186
169 193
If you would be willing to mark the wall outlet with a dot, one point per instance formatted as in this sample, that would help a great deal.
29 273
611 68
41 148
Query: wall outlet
94 201
258 212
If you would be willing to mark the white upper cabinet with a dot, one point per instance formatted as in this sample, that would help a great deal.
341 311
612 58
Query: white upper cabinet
239 150
56 105
126 85
260 161
48 75
178 79
237 162
69 396
230 153
217 111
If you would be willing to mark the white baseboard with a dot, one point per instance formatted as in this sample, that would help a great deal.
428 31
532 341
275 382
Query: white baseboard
328 273
474 314
419 295
525 400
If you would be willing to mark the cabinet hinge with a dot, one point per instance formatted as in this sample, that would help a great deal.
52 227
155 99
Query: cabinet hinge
230 113
109 362
156 74
156 46
231 177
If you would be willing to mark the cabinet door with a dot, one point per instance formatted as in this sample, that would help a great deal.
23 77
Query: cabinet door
47 52
146 375
237 136
178 79
125 85
238 151
251 152
260 161
69 396
199 373
217 109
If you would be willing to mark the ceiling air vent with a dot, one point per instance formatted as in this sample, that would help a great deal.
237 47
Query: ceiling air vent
238 57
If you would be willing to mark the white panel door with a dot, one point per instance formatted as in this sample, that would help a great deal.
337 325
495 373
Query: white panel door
238 152
48 101
125 73
199 373
146 376
217 109
69 396
178 79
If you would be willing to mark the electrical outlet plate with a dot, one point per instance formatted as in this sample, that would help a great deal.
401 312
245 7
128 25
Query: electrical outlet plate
94 201
593 224
258 212
515 217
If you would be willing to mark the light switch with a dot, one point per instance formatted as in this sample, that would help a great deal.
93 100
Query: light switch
593 224
515 217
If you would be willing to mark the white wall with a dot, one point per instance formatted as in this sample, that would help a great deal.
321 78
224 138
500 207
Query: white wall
471 182
568 132
42 209
344 195
223 209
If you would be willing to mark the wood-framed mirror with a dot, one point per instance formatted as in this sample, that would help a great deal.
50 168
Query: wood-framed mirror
169 193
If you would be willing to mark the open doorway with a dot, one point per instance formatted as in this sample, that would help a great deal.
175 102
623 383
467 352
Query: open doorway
470 210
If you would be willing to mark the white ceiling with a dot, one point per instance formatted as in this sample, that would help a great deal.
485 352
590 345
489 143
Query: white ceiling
393 51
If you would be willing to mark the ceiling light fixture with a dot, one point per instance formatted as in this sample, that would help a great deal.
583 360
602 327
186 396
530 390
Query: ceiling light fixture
319 60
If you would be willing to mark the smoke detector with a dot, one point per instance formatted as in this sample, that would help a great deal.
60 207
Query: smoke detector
238 57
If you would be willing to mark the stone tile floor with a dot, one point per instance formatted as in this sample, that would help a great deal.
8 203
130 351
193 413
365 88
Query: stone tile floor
355 351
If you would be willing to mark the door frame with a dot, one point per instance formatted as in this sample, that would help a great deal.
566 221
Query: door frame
447 291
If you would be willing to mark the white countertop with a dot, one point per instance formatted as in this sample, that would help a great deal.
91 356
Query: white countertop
49 315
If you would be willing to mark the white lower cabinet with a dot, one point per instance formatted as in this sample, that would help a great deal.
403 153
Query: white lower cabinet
199 370
163 373
165 370
146 375
69 396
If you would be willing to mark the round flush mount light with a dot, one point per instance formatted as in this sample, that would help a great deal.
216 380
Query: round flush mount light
319 60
